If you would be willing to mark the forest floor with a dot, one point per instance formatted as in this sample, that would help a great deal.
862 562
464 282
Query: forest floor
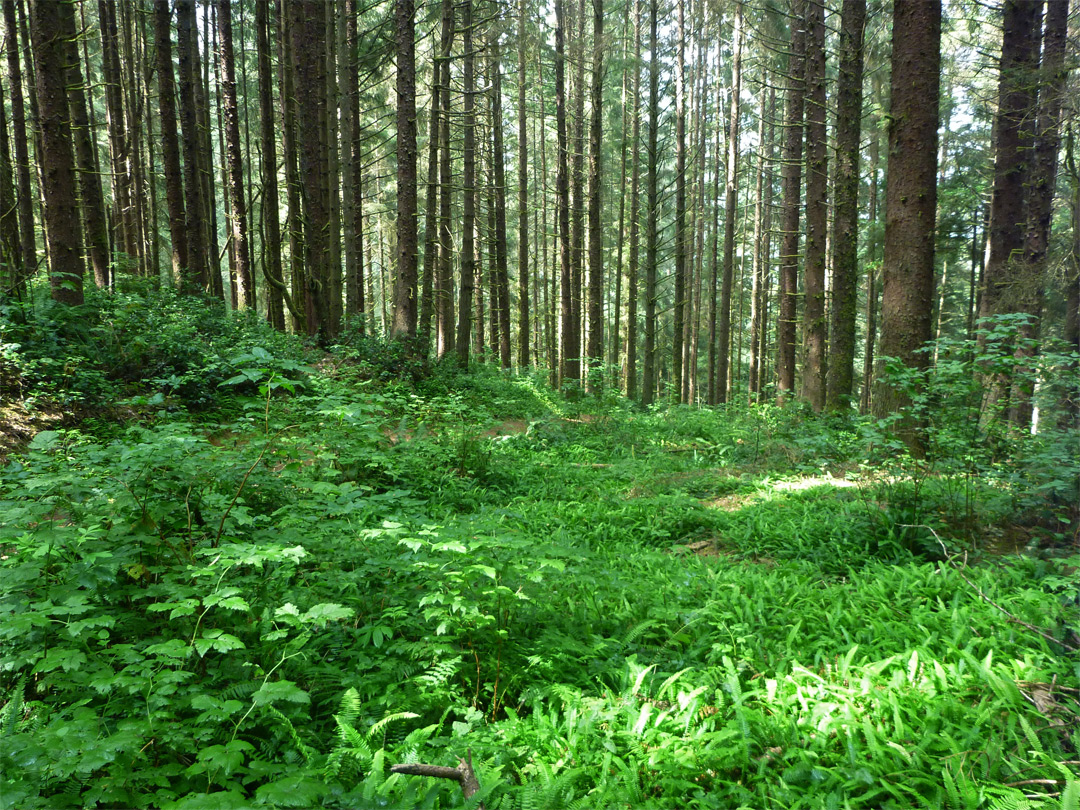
272 599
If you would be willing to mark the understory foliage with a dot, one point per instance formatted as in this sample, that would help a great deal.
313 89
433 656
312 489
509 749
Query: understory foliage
271 575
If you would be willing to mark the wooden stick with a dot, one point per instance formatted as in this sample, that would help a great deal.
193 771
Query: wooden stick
464 775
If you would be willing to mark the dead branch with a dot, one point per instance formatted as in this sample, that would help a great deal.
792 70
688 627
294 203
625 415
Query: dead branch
463 774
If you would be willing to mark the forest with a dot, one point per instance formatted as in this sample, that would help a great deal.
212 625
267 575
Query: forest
495 404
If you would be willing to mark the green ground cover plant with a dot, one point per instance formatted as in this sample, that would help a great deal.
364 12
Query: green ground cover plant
275 574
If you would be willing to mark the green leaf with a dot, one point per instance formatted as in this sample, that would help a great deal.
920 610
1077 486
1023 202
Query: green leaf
280 690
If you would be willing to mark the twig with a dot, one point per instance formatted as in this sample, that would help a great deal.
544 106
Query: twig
987 599
232 503
463 774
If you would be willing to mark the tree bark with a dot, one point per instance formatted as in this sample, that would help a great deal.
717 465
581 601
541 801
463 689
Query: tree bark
681 264
444 301
348 89
10 251
245 284
170 144
23 193
759 270
1013 139
567 368
523 196
635 217
577 189
730 204
791 180
1040 199
405 278
95 228
595 344
63 233
307 30
910 197
278 292
301 312
198 277
468 252
648 379
817 205
845 236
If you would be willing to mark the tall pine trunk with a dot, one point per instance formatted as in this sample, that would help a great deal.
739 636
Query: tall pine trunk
63 233
648 378
730 204
23 193
632 291
595 349
95 228
523 197
845 235
245 283
910 197
405 274
198 277
681 263
444 301
817 205
468 253
170 144
567 368
791 175
497 242
278 292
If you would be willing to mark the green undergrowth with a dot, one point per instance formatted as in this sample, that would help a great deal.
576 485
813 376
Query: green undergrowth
327 569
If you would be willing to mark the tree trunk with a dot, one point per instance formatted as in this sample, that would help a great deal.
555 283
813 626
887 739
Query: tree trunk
10 251
577 188
348 87
1013 138
635 217
333 163
817 205
95 228
866 395
730 204
23 193
301 312
500 292
63 233
198 277
1040 200
431 206
206 167
444 301
910 196
523 195
567 368
278 292
307 31
681 264
648 380
758 271
468 253
405 276
170 144
791 179
119 148
845 236
595 348
245 284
